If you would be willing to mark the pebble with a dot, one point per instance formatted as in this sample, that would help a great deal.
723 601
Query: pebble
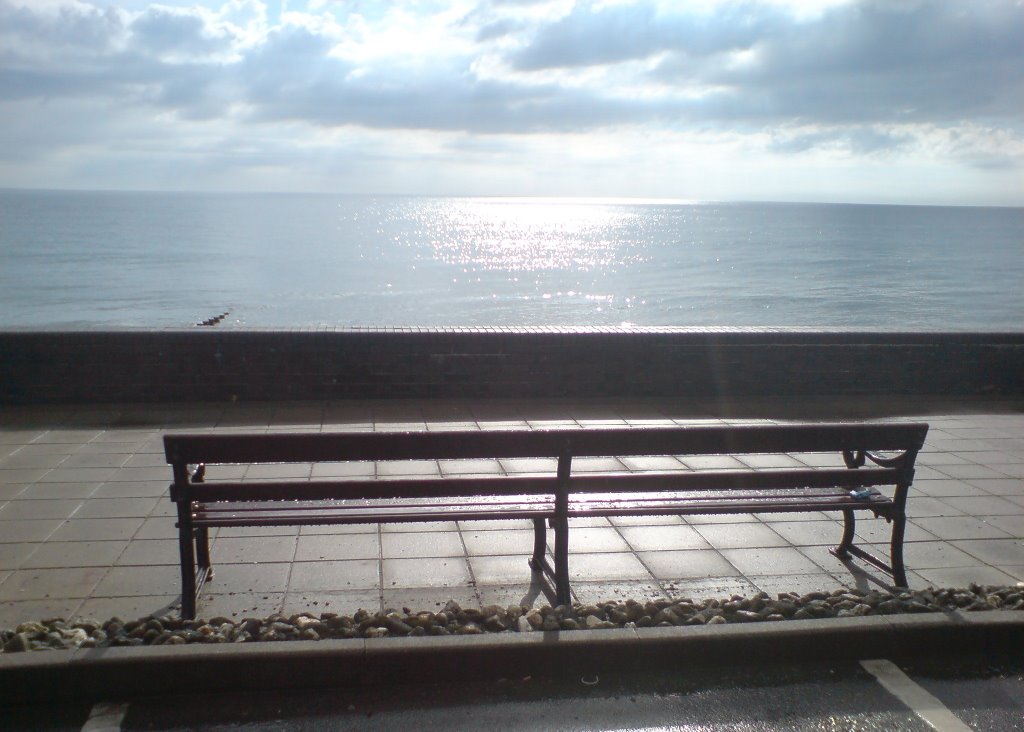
494 624
396 626
57 633
18 643
665 616
617 616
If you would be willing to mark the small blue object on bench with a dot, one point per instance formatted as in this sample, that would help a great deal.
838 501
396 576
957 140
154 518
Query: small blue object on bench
549 500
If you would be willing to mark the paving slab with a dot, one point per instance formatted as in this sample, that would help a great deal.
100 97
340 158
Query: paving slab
87 529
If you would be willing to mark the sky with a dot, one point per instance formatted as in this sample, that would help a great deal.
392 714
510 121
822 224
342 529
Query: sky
890 101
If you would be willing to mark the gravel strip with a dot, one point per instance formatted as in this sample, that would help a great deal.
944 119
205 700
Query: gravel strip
57 634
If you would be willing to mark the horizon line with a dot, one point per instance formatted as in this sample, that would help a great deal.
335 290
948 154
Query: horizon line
604 199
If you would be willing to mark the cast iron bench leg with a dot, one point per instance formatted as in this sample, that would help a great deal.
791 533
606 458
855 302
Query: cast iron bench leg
540 539
896 543
562 591
849 523
899 571
188 573
203 552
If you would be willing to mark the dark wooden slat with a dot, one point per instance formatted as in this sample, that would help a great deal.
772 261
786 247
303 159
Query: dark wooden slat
731 497
279 509
353 515
369 489
315 519
728 480
693 440
513 485
697 508
285 508
295 507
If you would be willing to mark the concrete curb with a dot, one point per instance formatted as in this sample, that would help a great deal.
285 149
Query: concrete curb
115 673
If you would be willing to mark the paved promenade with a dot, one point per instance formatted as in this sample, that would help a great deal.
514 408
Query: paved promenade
87 529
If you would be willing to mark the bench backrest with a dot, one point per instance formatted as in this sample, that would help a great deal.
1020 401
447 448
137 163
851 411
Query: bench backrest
451 445
854 441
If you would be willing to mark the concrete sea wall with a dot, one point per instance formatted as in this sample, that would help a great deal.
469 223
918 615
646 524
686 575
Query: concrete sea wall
224 364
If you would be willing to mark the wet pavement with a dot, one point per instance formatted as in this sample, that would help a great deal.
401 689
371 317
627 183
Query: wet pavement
86 528
982 694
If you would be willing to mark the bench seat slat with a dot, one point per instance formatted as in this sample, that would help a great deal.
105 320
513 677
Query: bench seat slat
425 514
735 504
512 485
327 506
713 508
285 508
780 494
304 512
335 517
316 490
793 494
732 480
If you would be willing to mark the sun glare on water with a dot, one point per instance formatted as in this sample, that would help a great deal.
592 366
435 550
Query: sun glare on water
527 235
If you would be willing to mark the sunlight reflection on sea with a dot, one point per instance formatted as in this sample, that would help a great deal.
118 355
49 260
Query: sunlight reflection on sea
97 260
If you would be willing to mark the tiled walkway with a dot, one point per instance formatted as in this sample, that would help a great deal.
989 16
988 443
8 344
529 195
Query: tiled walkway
86 527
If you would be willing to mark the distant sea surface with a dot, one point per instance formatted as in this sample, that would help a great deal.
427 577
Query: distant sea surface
90 260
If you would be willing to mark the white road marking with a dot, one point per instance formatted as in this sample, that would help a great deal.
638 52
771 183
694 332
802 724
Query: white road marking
921 703
106 717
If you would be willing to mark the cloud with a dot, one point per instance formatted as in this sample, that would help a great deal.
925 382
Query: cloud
911 62
867 80
497 29
859 62
737 64
174 34
594 34
44 43
855 140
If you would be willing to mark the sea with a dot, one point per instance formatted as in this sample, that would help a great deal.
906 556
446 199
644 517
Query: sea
109 260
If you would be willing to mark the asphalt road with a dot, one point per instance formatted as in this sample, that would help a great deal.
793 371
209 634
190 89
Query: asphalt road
986 695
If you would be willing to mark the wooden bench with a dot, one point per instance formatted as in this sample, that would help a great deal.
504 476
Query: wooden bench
550 499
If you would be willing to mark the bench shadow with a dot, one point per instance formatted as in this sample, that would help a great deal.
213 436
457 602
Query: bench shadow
539 585
864 581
